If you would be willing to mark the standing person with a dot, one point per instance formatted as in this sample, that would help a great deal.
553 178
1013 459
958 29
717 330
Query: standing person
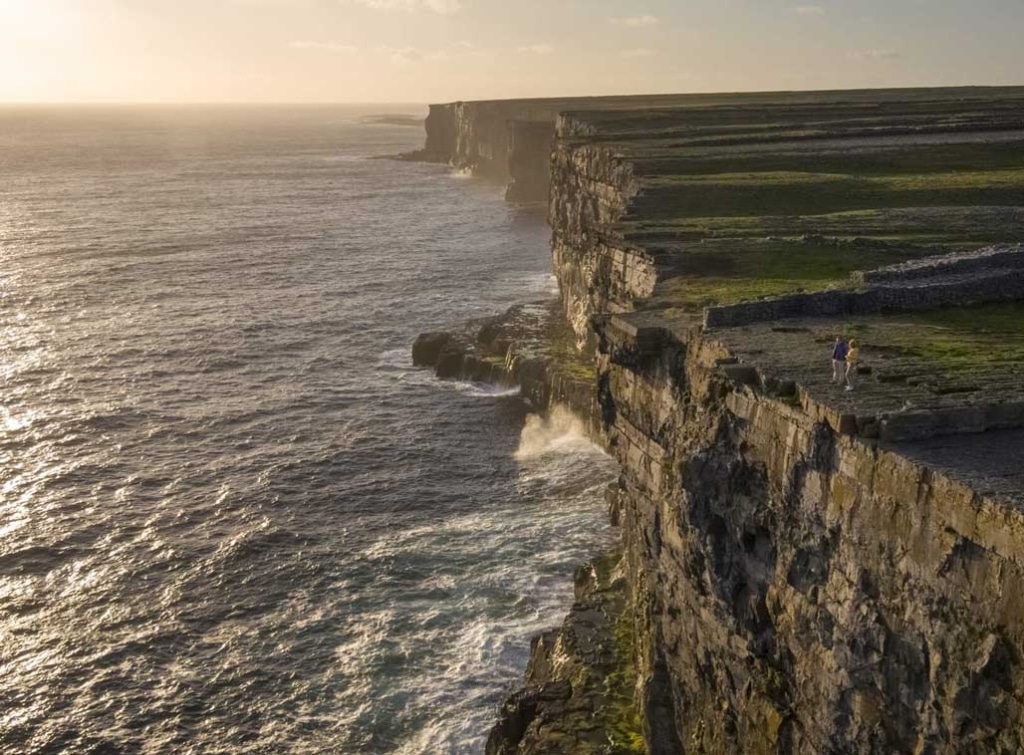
839 351
851 363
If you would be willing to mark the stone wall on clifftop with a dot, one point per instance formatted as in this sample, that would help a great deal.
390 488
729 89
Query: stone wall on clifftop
954 280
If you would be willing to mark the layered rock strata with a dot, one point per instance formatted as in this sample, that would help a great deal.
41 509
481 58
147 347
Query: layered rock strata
580 679
507 142
800 589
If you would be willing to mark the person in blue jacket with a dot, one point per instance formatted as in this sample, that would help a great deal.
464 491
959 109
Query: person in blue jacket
839 352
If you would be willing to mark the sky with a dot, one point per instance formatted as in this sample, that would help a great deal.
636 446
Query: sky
418 51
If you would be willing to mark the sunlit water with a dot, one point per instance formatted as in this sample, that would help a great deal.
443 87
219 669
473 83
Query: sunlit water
233 518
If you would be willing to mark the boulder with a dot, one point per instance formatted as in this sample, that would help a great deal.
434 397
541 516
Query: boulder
450 360
426 350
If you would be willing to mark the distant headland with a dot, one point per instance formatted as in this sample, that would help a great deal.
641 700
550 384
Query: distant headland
395 119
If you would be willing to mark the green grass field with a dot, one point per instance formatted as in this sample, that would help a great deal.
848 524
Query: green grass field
746 197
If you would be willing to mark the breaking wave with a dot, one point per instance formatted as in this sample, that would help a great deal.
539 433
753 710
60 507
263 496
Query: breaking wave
558 432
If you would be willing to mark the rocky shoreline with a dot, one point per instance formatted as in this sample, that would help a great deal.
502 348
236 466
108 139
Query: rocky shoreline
579 683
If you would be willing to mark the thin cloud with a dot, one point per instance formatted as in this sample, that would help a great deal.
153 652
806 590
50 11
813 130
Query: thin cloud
875 54
635 22
308 44
541 49
809 10
637 52
444 7
408 56
465 49
402 56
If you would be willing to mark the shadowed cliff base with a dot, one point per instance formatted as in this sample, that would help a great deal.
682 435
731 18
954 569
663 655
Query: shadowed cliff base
806 569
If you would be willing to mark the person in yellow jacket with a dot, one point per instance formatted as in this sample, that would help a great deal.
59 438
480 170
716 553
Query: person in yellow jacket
852 355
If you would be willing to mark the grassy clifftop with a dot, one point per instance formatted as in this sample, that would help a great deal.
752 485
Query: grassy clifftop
753 195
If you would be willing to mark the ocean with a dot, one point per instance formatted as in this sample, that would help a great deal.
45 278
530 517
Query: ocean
234 518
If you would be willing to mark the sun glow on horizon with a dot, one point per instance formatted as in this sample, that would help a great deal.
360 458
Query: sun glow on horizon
266 51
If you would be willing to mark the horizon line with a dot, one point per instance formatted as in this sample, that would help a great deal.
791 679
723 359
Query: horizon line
379 103
199 103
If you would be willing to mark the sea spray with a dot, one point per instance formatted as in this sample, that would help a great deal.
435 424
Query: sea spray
560 431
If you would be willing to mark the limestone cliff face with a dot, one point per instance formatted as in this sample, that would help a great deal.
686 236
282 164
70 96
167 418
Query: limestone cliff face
592 188
799 591
507 142
442 133
470 135
529 163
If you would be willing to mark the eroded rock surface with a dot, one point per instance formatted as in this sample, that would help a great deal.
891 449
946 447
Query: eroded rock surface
529 346
578 698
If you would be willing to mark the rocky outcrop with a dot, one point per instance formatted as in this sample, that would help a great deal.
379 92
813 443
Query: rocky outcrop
529 347
579 691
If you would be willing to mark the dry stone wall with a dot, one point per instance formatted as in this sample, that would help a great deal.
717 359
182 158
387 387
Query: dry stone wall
981 261
967 280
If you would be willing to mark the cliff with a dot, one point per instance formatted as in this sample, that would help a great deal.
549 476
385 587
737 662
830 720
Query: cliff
803 569
507 142
510 141
796 588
